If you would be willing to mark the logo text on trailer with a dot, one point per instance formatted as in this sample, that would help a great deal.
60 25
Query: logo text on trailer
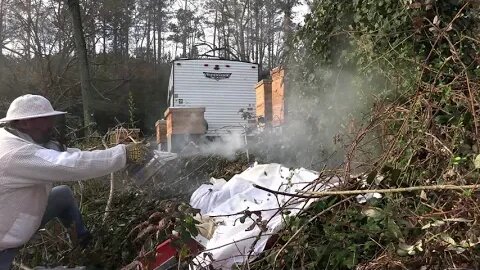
217 76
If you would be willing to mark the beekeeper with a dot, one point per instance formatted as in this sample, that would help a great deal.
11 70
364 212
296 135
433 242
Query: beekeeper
30 162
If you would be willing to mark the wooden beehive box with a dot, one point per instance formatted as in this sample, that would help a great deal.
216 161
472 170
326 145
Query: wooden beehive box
263 91
185 120
123 135
278 96
161 130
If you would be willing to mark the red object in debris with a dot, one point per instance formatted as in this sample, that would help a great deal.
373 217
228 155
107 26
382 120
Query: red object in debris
166 254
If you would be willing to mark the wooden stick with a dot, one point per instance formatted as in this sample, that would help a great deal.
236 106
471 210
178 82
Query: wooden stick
390 190
133 140
317 194
284 193
111 194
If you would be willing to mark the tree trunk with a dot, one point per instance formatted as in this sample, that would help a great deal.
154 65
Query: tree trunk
154 29
159 31
81 51
104 32
115 38
147 33
241 41
126 45
185 35
257 33
184 44
29 28
215 31
60 40
242 30
287 30
2 15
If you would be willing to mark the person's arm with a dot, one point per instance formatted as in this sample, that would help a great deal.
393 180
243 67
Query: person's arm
39 165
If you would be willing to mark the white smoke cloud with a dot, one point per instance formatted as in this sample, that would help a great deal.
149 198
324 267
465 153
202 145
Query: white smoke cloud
321 119
226 145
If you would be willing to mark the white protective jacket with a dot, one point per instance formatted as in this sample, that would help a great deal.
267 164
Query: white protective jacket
27 171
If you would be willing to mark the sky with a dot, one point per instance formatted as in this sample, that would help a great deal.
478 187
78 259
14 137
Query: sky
300 11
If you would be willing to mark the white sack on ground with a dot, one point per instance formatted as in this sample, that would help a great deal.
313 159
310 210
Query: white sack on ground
234 242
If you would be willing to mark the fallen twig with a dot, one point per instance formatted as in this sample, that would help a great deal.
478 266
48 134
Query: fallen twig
108 206
317 194
389 190
284 193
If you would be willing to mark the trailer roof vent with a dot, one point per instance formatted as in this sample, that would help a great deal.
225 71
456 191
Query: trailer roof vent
205 65
227 65
217 67
254 67
179 64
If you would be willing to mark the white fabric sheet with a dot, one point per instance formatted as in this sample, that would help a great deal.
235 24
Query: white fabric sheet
234 242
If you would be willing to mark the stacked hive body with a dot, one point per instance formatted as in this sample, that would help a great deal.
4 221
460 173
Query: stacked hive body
263 91
161 131
184 125
278 96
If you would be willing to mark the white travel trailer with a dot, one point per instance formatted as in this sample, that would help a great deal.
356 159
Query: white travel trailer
223 87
